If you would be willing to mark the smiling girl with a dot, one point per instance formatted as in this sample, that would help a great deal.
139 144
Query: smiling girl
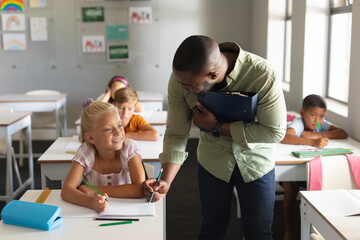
106 159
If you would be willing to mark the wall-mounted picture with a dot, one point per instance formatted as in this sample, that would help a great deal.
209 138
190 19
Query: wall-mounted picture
12 5
93 44
37 3
118 53
13 22
93 14
117 32
14 41
38 29
140 15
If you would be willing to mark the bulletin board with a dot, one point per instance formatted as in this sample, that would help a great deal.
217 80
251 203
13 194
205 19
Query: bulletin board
27 35
108 36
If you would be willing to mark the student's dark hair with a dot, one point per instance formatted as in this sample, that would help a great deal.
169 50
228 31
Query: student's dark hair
118 79
313 100
193 53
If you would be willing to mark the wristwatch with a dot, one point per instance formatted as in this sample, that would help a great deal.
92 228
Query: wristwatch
216 132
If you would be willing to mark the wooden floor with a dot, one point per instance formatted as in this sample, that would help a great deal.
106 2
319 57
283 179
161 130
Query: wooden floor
183 216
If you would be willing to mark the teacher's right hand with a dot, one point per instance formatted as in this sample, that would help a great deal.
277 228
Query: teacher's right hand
160 188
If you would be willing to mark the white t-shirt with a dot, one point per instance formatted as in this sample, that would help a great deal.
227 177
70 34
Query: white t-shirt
298 125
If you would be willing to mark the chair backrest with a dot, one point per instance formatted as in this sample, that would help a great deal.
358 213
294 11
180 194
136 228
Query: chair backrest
43 92
6 109
336 173
149 170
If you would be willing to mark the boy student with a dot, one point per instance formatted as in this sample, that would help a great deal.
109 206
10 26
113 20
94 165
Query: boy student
304 130
136 127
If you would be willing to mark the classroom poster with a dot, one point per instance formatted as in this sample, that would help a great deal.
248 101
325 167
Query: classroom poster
118 53
38 29
117 32
93 14
13 22
37 3
93 44
140 15
12 5
14 41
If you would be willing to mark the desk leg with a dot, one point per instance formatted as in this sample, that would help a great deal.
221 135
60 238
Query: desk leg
305 224
9 175
58 124
30 153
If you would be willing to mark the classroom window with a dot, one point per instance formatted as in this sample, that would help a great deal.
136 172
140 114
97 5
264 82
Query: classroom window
339 50
287 41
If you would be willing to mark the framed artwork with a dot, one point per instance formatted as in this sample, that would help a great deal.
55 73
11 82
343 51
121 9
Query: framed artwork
37 3
38 29
13 22
117 32
12 5
118 53
93 14
14 41
93 44
140 15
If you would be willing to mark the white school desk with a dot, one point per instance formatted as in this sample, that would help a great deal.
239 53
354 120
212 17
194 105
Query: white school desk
155 118
38 103
151 101
10 123
290 168
55 163
316 208
147 228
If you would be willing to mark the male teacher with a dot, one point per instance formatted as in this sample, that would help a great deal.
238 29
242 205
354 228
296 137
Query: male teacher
231 153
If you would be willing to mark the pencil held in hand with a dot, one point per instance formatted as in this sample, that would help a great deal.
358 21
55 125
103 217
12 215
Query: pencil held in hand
157 180
320 129
95 189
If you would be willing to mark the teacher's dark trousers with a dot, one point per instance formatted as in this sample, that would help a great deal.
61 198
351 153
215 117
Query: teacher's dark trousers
256 202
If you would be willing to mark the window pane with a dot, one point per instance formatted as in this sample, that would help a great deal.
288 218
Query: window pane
340 3
287 52
339 56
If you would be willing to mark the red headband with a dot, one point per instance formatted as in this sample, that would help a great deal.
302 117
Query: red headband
119 79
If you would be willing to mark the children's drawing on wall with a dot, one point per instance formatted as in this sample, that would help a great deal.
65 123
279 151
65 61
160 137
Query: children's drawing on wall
118 53
93 44
12 5
140 15
13 22
38 29
117 32
14 41
37 3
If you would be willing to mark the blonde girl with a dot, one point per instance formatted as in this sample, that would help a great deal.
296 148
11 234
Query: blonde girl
107 159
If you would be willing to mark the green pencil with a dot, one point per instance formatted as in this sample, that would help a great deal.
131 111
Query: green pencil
115 223
317 122
94 188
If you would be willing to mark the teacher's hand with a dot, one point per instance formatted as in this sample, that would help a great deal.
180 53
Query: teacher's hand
203 117
160 188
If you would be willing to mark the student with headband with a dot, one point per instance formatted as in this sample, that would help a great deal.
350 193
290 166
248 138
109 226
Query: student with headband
116 83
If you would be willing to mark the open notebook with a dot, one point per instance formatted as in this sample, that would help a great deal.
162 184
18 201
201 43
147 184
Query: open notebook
118 207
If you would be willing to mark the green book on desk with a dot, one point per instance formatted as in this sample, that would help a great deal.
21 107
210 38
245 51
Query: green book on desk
308 153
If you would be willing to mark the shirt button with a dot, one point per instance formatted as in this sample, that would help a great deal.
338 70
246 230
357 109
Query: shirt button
109 184
108 177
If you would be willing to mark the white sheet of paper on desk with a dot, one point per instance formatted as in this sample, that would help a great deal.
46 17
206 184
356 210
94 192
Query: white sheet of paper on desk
126 207
73 145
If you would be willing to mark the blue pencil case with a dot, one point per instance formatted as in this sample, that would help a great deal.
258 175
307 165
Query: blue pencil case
32 215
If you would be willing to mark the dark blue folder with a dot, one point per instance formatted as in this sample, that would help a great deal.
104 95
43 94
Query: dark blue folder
32 215
231 106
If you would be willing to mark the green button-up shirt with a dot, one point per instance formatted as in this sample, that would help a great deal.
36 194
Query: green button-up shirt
250 146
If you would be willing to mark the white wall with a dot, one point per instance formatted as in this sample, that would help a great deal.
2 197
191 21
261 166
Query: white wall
226 20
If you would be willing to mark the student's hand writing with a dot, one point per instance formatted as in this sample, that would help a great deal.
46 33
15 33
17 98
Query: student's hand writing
311 134
320 142
203 117
160 188
99 203
87 189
